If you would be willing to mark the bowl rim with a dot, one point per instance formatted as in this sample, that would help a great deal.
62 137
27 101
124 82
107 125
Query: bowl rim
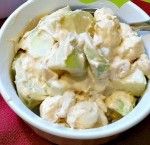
114 128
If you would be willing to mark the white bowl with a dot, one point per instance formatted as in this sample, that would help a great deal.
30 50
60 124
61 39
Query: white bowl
11 31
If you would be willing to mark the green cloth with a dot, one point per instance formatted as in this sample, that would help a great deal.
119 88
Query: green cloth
119 3
148 1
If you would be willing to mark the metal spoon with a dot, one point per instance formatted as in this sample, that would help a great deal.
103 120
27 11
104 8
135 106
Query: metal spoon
140 26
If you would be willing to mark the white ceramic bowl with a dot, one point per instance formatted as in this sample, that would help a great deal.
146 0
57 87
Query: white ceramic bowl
11 31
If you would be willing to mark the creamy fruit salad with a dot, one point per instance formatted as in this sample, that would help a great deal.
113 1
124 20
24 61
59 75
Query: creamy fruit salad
79 70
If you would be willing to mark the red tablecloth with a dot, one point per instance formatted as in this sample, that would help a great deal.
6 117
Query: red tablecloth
144 5
13 131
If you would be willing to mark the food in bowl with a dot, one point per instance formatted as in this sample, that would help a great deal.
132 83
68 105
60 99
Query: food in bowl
79 70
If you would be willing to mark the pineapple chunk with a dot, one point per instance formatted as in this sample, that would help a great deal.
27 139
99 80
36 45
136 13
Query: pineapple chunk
135 83
77 21
37 43
75 63
98 63
67 58
121 102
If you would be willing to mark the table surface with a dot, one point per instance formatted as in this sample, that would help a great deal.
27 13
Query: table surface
138 135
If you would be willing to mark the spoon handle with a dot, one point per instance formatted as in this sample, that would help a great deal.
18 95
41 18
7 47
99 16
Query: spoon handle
141 26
